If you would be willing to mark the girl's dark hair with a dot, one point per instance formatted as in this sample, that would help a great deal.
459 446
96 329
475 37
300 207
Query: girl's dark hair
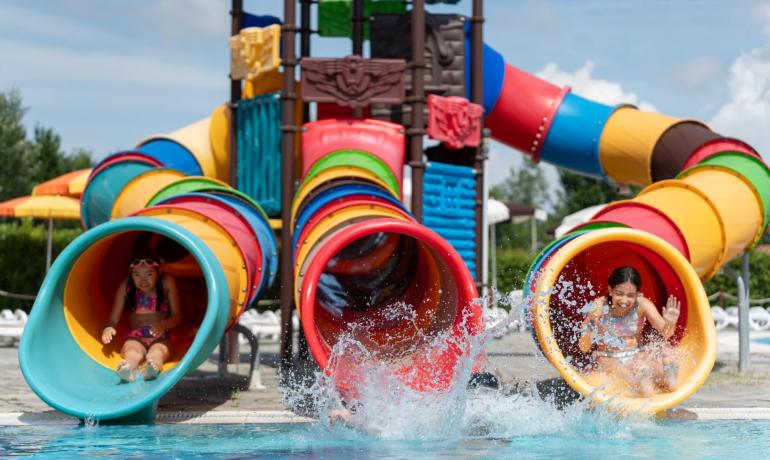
160 292
625 275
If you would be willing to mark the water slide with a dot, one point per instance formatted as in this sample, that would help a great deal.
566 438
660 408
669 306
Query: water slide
214 240
706 200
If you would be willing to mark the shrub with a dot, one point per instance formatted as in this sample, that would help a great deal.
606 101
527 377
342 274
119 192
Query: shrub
22 257
512 265
759 279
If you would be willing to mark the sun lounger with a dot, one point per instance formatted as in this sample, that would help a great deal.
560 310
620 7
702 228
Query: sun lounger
11 326
759 319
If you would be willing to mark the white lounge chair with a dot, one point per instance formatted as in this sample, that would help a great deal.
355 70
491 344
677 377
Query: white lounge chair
759 319
266 326
721 319
11 326
732 315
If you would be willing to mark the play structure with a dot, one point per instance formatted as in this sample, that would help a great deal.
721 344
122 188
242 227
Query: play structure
350 250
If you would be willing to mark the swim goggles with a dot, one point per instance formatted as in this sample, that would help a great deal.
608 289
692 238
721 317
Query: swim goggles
148 262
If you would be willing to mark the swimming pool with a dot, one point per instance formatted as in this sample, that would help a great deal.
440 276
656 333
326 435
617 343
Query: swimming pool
763 340
585 437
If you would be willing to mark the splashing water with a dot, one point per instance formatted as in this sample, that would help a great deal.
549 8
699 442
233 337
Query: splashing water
91 421
381 405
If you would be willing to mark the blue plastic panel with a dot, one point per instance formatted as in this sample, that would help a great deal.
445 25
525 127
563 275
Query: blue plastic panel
259 150
449 207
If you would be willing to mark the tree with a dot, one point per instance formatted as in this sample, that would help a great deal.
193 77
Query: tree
46 159
13 147
579 192
25 163
525 185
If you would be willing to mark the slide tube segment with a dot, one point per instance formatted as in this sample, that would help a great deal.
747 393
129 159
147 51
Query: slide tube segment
383 139
573 141
194 138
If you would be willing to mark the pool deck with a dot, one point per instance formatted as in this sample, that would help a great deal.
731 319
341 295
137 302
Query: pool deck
204 397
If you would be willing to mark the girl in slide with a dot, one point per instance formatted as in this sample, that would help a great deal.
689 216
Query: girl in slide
152 299
614 325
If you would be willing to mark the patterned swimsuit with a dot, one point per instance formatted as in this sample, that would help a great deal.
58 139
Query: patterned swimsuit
144 304
615 331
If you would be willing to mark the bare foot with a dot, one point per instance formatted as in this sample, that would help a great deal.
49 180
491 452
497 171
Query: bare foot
671 375
151 370
125 372
339 415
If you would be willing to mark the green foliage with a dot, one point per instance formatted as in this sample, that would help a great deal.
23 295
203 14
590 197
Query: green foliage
525 185
13 147
759 279
581 192
512 265
22 257
26 163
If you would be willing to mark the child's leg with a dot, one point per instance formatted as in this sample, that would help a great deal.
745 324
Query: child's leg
644 370
156 356
133 352
670 369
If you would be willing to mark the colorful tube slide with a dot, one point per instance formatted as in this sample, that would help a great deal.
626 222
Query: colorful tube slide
706 201
214 240
363 264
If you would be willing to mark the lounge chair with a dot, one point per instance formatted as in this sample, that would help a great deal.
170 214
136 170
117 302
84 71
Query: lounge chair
721 319
11 326
759 319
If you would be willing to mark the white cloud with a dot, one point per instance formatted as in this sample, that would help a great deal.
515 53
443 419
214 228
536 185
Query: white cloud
747 114
584 84
763 17
200 19
698 74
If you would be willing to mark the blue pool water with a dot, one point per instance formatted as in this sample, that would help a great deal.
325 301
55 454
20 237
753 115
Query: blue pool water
585 437
763 340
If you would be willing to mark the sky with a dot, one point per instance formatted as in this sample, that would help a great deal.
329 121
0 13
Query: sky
106 74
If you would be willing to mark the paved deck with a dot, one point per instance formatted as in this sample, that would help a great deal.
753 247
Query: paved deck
203 395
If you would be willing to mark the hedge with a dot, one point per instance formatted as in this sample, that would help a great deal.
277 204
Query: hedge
759 279
512 265
22 257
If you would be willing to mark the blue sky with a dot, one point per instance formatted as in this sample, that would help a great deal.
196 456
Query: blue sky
105 74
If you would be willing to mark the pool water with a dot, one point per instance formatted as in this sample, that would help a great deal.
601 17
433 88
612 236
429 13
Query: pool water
763 340
588 437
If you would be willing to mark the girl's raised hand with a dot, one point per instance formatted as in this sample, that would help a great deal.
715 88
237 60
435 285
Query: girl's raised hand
671 310
107 334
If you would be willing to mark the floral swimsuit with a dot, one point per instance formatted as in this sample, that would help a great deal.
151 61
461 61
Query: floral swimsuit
144 304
